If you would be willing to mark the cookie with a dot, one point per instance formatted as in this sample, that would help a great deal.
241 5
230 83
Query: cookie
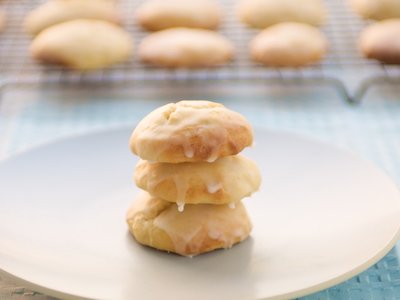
83 44
227 180
185 47
381 41
289 45
58 11
190 131
264 13
160 14
198 229
3 20
376 9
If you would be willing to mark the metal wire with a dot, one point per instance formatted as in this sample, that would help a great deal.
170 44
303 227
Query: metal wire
342 62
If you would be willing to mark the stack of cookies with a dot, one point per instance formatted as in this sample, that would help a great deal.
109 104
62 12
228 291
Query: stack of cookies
193 178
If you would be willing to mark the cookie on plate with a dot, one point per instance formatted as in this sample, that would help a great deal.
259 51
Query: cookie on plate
376 9
58 11
160 14
198 229
289 45
185 48
381 41
226 181
83 44
190 131
264 13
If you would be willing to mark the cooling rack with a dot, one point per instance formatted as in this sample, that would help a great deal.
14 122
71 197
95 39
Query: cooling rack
344 68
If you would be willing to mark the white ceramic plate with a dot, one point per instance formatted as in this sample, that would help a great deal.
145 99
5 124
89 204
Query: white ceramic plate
322 216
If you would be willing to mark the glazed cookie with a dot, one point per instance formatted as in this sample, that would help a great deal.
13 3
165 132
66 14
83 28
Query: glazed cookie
264 13
381 41
200 228
161 14
58 11
190 131
377 9
83 44
226 181
289 45
185 47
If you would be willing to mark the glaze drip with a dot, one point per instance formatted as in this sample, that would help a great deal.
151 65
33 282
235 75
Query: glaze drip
214 187
181 206
189 153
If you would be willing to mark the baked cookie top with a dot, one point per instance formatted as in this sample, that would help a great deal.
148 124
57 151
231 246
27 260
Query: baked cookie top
83 44
376 9
185 47
289 45
381 41
191 131
57 11
160 14
264 13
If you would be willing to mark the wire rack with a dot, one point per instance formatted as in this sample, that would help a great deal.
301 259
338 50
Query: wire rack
343 67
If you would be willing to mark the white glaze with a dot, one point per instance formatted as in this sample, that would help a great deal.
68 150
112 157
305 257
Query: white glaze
213 234
214 187
211 159
240 233
181 236
181 206
182 187
189 153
